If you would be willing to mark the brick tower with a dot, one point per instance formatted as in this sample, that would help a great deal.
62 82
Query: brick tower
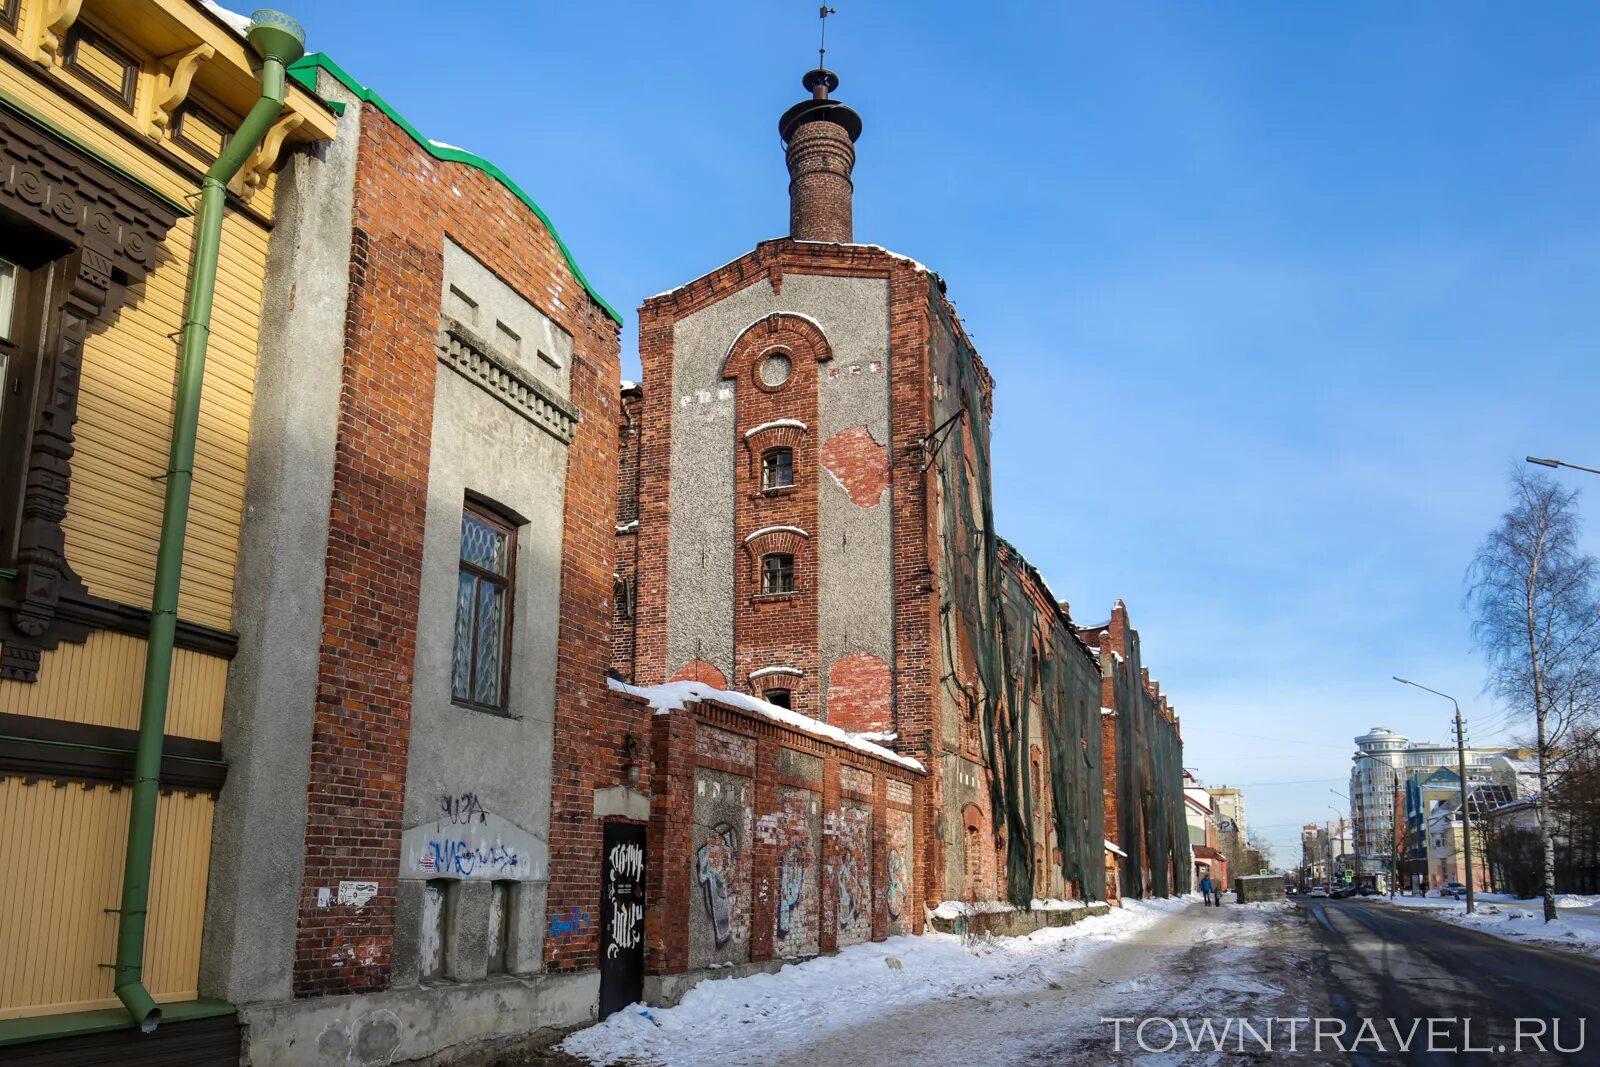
819 136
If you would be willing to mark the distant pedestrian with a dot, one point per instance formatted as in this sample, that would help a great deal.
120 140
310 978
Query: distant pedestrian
1208 889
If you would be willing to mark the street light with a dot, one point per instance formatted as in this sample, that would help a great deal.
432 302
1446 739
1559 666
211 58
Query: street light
1461 760
1560 463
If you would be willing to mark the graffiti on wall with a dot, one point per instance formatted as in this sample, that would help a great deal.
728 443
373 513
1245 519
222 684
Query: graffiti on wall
720 869
897 873
797 838
716 861
465 840
853 872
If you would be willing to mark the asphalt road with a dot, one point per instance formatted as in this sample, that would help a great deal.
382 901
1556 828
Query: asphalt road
1382 963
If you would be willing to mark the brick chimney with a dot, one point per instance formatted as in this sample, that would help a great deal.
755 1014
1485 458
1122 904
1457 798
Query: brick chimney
819 137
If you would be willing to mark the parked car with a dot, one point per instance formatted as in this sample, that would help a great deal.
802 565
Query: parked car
1319 891
1453 889
1367 891
1343 892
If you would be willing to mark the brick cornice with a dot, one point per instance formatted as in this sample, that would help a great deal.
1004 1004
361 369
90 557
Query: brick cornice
769 261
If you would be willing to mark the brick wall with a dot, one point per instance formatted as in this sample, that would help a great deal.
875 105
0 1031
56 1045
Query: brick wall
777 629
676 902
405 203
625 597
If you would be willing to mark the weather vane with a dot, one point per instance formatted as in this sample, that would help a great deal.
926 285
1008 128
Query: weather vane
822 50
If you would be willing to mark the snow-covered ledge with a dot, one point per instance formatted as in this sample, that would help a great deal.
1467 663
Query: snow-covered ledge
674 696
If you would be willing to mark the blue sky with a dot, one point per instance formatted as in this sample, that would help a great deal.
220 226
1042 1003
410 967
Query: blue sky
1274 294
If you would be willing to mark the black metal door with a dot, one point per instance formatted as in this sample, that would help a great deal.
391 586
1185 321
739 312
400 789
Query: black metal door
622 922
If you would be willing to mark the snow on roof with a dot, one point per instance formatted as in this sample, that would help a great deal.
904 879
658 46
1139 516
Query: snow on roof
774 424
238 23
673 696
764 671
775 529
446 144
629 384
1113 848
871 248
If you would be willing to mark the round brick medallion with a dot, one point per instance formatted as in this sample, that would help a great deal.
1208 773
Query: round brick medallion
775 370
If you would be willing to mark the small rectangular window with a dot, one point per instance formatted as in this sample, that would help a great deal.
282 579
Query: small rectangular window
784 698
462 306
777 573
483 610
431 928
500 895
8 297
777 468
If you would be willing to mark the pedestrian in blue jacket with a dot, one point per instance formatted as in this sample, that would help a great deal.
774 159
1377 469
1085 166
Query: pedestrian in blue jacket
1208 889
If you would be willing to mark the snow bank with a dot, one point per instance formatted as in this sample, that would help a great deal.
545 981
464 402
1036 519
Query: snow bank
1576 926
718 1020
955 909
671 697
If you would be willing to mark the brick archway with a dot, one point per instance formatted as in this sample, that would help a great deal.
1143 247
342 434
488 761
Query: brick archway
698 670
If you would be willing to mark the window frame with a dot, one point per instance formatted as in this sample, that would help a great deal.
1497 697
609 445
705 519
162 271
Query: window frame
783 571
506 526
772 454
21 356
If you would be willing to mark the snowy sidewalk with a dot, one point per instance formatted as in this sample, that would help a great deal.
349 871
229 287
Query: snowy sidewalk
1577 925
1002 1000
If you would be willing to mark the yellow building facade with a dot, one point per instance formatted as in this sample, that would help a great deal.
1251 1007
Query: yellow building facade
110 112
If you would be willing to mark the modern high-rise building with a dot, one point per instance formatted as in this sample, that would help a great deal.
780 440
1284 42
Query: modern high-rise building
1383 761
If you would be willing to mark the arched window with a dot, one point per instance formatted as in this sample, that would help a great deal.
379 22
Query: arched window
777 468
777 573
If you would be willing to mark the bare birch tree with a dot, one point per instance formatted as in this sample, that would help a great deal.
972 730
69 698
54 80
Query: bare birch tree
1537 617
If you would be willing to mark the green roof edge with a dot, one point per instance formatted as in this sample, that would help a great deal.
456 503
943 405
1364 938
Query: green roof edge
304 72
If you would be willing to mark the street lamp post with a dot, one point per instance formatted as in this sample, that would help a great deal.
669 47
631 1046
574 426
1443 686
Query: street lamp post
1461 761
1560 463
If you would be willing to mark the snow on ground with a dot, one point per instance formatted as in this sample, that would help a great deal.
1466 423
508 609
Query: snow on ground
1577 925
1044 998
800 1003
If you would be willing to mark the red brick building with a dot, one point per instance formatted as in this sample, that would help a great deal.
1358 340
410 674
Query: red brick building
408 851
807 521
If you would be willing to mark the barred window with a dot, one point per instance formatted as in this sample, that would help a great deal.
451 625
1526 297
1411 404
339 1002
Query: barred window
480 662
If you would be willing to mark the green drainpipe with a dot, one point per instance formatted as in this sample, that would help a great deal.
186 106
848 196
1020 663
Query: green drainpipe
279 41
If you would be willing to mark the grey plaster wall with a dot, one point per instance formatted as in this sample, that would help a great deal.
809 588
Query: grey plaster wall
853 314
529 340
854 546
466 760
258 841
417 1025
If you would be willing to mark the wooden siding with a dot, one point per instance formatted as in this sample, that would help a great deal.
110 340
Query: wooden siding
125 416
55 929
107 133
99 683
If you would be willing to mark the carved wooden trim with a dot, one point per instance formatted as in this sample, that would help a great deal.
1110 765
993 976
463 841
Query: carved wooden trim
174 74
49 21
112 226
253 175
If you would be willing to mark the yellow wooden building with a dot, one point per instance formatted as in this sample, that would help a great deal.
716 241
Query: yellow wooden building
111 111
